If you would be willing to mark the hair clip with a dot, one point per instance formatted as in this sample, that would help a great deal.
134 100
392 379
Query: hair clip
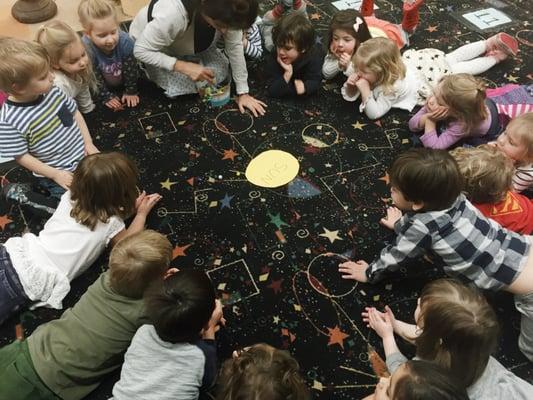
358 23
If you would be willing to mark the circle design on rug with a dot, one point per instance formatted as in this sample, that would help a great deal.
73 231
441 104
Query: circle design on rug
278 255
324 277
272 168
320 135
239 124
254 194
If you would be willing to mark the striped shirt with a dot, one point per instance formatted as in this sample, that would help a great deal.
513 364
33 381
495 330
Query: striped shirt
44 128
471 247
523 178
253 48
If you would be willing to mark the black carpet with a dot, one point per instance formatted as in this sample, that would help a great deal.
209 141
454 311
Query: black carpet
273 254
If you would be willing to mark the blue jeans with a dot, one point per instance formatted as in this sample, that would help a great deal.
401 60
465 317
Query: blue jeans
53 188
12 296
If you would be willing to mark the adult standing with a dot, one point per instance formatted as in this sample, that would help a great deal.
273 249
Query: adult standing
176 41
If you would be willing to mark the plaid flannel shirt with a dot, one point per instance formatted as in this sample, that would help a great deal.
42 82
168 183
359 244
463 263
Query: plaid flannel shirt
470 246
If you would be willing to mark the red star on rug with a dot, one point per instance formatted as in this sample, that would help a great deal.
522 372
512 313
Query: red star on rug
432 28
385 178
4 220
276 285
336 336
311 149
229 155
179 251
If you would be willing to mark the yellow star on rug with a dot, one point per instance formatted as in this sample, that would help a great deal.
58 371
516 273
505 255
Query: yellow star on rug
358 125
167 184
512 78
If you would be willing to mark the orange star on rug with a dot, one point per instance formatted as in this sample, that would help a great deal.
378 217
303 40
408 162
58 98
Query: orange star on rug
229 155
336 336
179 251
4 220
385 178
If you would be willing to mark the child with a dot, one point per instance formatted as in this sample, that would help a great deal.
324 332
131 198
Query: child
487 182
72 68
517 144
272 17
349 28
261 372
68 357
39 125
103 193
382 80
295 67
374 57
111 52
175 357
457 329
421 380
459 111
251 42
427 184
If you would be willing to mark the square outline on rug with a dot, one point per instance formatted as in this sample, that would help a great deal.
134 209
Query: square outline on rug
148 135
241 260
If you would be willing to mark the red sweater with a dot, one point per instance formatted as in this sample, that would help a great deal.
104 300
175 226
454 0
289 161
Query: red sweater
515 212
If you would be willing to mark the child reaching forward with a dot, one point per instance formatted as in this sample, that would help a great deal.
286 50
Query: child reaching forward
111 52
175 356
391 76
261 372
457 329
103 193
72 68
487 183
294 69
68 357
40 126
349 28
459 111
426 184
517 144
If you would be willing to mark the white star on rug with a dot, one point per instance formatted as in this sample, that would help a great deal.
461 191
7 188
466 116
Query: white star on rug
331 235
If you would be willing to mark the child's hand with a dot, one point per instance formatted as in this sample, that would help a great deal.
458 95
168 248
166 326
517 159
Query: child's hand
217 319
115 104
362 85
131 100
63 178
333 49
380 322
286 67
438 113
91 149
354 270
393 215
145 202
352 79
365 314
344 61
300 87
392 318
197 72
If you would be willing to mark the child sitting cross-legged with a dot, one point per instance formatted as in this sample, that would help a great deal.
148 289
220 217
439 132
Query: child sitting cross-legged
487 183
68 358
175 356
295 67
426 185
457 329
40 126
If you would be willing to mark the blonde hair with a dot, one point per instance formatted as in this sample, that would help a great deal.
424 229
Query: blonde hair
56 37
465 96
262 372
89 10
522 127
382 57
20 61
459 329
487 173
138 260
103 185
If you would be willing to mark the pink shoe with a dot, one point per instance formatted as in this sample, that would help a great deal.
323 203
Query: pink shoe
504 42
498 54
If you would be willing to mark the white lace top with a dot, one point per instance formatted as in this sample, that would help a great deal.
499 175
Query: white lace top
64 249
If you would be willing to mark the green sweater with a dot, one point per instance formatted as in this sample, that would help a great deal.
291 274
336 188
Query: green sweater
72 354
